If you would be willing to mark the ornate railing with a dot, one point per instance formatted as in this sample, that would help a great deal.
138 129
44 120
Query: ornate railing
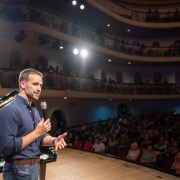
147 15
9 79
30 13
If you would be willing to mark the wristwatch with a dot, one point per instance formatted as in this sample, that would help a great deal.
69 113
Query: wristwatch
54 140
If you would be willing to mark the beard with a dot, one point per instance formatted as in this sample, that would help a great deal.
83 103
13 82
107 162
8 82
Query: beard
33 95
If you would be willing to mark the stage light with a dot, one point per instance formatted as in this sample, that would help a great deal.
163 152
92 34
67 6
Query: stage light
82 6
74 2
76 51
84 53
21 36
43 40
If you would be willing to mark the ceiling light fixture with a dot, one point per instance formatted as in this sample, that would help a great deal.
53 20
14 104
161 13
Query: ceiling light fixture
109 60
108 25
74 2
84 53
82 6
76 51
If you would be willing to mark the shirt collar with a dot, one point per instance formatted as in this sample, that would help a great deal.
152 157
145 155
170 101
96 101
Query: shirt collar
24 101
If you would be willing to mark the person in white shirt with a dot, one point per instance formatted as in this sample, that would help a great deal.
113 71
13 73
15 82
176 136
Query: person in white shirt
98 146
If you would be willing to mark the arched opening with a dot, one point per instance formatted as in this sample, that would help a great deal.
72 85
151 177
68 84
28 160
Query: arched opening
119 77
15 60
103 75
157 78
137 78
58 120
177 77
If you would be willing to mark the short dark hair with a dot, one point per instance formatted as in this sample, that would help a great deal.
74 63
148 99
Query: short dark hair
24 75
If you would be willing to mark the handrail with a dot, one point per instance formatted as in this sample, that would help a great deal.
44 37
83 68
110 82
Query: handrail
31 13
9 79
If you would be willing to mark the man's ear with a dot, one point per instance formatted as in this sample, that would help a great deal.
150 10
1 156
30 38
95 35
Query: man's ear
22 84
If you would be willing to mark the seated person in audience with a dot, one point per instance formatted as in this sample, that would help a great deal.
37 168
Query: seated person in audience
145 143
153 133
83 127
173 150
133 134
98 146
149 156
88 144
123 141
113 140
103 139
58 132
160 147
77 143
69 139
176 164
134 152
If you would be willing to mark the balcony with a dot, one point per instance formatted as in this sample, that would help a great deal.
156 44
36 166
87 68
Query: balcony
162 18
77 87
34 19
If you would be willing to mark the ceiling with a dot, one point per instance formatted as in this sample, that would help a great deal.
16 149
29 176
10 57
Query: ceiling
96 20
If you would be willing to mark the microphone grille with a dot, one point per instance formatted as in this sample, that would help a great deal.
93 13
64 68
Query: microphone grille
43 105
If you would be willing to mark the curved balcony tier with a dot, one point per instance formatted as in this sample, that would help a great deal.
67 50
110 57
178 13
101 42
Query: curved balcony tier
77 87
33 19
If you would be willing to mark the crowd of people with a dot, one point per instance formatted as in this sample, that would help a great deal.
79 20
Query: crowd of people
153 140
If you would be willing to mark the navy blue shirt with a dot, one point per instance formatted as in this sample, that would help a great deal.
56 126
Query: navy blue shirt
18 119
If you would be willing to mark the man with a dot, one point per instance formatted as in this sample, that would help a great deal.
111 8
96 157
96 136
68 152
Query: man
22 130
98 146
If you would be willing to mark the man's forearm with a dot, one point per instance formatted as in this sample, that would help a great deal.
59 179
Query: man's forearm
29 138
48 141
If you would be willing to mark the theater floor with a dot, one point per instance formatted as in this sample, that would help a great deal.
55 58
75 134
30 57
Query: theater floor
79 165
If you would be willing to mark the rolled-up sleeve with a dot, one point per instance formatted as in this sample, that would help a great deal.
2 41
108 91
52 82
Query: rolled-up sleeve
10 143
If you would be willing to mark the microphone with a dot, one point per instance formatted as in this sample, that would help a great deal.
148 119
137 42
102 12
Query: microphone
44 110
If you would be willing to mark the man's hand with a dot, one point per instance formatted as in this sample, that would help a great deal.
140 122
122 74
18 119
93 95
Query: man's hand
59 142
43 127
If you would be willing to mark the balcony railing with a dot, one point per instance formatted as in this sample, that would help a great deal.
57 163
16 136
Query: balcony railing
26 12
148 15
9 79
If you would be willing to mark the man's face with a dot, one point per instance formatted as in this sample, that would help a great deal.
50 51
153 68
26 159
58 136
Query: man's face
32 87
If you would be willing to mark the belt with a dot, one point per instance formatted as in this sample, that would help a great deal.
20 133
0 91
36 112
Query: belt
23 161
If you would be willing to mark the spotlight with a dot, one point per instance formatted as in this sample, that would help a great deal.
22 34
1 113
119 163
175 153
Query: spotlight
82 6
21 36
74 2
76 51
83 53
43 40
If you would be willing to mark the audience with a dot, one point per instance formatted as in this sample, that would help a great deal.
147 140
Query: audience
152 133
